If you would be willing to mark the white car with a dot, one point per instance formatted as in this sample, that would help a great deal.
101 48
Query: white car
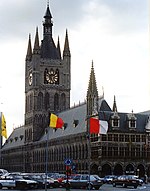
7 182
24 183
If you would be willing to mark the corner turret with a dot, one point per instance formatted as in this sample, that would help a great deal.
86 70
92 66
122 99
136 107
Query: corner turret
92 94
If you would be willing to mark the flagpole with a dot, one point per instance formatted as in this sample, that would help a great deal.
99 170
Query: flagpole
1 138
89 148
46 158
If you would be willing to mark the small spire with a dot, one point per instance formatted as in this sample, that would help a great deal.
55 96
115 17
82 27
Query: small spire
48 13
92 94
103 91
114 105
36 42
66 51
58 48
29 49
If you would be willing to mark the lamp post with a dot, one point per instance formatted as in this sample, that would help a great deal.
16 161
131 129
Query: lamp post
138 172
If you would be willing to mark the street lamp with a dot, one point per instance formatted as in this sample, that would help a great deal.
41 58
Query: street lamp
138 172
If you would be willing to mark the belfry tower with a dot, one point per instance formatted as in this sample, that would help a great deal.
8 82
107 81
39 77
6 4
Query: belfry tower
47 80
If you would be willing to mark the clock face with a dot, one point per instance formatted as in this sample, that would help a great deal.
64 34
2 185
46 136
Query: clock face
51 77
30 79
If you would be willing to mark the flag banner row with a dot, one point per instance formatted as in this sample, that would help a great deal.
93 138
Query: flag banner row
96 126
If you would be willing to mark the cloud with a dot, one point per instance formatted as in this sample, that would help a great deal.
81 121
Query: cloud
112 33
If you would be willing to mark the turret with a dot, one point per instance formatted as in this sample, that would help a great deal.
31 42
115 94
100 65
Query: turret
29 50
114 105
58 48
66 51
36 48
92 94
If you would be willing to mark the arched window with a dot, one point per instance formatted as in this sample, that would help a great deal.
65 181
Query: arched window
63 101
31 102
45 75
46 101
56 102
40 101
57 72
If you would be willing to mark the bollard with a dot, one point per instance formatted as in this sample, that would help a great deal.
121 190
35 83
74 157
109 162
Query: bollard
67 186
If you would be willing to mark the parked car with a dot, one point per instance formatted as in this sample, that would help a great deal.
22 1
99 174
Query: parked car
25 183
109 179
3 172
125 181
7 182
51 182
139 179
83 181
38 179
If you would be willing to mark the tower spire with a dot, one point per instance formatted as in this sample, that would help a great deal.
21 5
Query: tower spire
92 94
36 42
29 49
114 105
58 48
66 51
47 3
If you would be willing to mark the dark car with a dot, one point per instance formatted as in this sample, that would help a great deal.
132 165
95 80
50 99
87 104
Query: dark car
125 181
82 181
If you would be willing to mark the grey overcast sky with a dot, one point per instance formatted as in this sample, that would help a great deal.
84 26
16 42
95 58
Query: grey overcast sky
112 33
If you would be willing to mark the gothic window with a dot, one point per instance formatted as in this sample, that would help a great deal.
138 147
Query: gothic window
56 102
126 138
45 74
46 101
109 137
40 101
137 138
26 104
31 102
63 101
116 137
57 73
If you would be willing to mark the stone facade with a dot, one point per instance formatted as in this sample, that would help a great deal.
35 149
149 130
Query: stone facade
34 146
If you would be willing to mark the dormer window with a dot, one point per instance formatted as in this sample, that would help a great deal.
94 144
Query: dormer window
115 120
132 124
132 121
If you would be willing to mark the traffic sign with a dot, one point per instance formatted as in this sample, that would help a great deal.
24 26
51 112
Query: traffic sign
68 162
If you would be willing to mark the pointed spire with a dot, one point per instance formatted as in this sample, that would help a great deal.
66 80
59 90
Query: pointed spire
114 105
29 50
48 13
92 94
36 42
92 88
66 51
58 48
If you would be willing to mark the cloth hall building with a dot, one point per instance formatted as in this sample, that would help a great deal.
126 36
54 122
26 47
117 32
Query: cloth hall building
125 149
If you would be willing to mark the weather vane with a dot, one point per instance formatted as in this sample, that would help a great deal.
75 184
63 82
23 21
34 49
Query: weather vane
48 3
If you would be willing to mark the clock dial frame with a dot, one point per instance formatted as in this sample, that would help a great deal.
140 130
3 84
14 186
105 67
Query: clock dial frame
52 77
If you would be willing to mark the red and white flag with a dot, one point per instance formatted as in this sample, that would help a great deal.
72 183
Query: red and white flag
98 126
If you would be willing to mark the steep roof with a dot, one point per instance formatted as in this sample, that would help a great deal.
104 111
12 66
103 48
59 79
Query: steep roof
77 115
